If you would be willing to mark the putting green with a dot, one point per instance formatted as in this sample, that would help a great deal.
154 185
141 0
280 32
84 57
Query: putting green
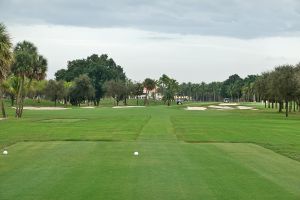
163 170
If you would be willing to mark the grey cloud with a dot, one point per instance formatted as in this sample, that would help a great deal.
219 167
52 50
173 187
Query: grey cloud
231 18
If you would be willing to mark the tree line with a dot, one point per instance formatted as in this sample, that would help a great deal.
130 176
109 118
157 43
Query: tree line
88 80
235 88
280 88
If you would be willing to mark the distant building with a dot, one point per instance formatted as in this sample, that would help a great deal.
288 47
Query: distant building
154 94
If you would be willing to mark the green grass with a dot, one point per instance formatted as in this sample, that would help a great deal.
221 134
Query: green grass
88 154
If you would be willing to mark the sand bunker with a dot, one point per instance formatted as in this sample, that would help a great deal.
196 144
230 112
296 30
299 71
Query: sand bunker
2 119
221 107
128 107
228 104
43 108
246 108
196 108
88 107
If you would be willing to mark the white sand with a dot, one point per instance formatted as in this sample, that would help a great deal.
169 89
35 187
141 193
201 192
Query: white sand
42 108
245 108
88 107
228 104
196 108
221 107
2 119
128 107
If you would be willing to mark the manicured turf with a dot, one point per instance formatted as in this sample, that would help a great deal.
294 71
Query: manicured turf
88 154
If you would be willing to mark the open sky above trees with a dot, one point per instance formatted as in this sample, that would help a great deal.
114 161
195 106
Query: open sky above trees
188 40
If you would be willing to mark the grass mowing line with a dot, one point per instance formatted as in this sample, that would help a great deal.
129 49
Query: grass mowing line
158 128
142 127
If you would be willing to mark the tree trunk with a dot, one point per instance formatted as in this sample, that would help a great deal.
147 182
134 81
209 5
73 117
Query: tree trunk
286 108
12 99
19 97
272 104
265 103
280 106
2 104
294 106
137 100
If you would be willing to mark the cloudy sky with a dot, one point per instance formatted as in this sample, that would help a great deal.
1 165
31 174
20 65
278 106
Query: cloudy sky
190 40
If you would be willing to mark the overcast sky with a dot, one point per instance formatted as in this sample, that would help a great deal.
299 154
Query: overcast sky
190 40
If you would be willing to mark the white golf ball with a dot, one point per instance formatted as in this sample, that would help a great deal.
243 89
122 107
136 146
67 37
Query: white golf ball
5 152
136 153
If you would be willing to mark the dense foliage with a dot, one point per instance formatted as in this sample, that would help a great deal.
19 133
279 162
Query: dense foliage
98 68
280 86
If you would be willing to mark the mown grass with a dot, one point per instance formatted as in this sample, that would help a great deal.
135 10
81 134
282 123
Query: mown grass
87 154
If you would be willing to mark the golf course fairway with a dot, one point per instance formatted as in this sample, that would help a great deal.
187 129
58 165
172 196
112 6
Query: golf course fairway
211 154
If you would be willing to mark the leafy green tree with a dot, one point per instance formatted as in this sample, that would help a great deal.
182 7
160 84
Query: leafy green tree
55 90
68 86
98 68
38 88
129 89
248 88
116 89
172 87
137 91
5 61
286 83
28 64
232 87
168 87
82 90
10 86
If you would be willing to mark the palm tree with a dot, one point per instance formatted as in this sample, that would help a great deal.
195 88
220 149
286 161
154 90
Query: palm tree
149 84
10 86
28 65
5 60
172 87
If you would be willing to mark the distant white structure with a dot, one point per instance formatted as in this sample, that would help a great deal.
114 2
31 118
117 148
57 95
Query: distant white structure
153 94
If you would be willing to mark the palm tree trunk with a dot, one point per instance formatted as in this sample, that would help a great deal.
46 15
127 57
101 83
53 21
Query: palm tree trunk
19 97
2 104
